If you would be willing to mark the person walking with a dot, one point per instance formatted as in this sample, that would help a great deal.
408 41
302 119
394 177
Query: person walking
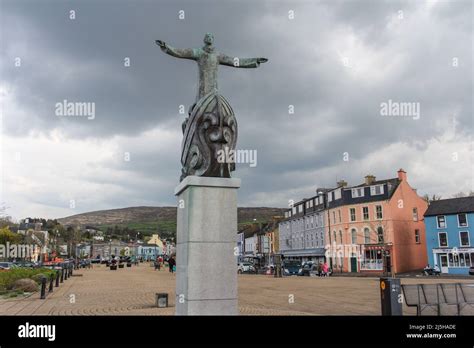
172 264
325 269
320 269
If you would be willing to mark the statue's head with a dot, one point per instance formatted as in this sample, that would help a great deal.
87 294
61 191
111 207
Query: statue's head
209 39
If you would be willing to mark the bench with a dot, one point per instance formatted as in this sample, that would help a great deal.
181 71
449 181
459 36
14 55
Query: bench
440 299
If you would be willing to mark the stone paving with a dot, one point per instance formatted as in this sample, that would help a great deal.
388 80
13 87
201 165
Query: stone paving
131 291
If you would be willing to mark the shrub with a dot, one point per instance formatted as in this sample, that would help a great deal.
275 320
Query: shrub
8 278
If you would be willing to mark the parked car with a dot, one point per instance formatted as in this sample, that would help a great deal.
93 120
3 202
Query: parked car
471 270
25 264
7 265
245 267
307 268
96 260
291 267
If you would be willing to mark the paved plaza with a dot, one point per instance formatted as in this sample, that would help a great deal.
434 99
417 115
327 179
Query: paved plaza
131 291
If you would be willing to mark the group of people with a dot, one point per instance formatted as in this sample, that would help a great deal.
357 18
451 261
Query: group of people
171 263
323 269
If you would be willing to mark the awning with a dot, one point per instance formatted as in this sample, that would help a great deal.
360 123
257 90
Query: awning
305 252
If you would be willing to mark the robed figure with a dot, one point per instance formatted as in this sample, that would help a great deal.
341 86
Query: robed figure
211 126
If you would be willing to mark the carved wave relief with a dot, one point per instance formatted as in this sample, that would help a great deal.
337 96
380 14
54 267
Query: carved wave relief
210 128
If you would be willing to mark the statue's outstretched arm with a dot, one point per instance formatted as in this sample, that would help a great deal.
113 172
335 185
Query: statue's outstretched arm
237 62
186 53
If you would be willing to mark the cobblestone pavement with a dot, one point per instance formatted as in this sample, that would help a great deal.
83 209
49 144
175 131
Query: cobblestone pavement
131 291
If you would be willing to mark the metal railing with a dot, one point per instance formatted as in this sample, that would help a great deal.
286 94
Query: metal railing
440 299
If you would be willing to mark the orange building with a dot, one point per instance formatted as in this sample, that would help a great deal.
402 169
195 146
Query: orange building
376 226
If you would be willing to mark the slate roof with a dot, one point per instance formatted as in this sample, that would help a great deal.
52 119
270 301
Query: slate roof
451 206
390 186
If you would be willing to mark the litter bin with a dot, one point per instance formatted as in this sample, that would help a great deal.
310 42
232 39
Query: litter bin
390 296
161 300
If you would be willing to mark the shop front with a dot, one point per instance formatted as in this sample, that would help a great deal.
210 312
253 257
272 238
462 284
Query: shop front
376 258
304 255
454 260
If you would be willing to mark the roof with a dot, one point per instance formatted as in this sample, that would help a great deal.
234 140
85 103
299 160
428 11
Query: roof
390 186
451 206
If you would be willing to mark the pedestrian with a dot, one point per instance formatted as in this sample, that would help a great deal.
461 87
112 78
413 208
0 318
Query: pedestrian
320 269
325 269
172 264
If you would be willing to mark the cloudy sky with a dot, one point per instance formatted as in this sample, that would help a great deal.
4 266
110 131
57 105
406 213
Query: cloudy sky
335 62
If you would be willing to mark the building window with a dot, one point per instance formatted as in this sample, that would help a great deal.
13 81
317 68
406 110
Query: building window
354 236
334 233
378 212
372 260
365 213
340 236
464 238
453 260
441 220
357 192
443 239
293 210
380 234
311 203
417 236
333 217
376 190
339 213
462 220
415 214
366 235
353 214
300 208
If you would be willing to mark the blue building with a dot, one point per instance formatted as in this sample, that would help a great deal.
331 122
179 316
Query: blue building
149 252
449 234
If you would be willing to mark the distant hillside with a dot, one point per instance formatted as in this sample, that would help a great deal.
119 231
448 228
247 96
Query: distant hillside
155 219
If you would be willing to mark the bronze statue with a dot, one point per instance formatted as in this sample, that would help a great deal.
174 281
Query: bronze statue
211 125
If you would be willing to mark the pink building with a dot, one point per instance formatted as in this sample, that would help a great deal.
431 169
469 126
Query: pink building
376 226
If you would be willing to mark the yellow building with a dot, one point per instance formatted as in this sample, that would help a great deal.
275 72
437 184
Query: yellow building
155 240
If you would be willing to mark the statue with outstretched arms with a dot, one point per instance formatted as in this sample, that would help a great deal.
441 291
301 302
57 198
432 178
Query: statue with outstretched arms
211 125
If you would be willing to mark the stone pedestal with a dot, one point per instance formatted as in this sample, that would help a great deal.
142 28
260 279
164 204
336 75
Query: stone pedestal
206 279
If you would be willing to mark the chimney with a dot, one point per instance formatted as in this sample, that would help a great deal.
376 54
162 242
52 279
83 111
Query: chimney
369 179
402 175
341 183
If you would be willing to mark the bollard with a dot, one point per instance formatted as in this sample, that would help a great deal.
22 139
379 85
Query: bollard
51 279
62 275
57 278
390 296
43 288
161 300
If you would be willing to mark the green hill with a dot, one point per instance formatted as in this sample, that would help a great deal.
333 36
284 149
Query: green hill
162 220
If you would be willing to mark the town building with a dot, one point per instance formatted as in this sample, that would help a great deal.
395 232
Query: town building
449 232
149 252
302 232
376 226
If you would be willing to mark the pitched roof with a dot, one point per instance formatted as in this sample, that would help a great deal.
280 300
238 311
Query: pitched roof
451 206
390 186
